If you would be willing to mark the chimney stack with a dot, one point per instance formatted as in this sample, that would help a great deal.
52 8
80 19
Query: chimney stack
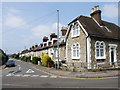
45 39
64 30
53 35
96 14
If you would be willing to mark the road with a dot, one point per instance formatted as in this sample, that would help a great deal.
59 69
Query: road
24 76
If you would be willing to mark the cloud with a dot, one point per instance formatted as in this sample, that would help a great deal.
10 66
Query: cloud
13 10
14 21
45 30
110 10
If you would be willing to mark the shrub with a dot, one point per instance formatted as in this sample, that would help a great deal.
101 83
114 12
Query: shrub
47 61
16 56
28 59
35 60
22 58
25 58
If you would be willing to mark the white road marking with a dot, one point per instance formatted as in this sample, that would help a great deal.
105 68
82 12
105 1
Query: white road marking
53 76
13 85
18 75
44 76
28 75
34 75
19 67
30 71
10 74
25 75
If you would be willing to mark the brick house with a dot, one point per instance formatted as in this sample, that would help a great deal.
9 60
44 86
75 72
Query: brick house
49 46
91 42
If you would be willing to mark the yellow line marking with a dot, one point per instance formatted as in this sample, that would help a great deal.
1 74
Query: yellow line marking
74 77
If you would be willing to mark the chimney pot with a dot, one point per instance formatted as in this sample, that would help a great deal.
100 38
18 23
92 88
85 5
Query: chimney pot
53 35
45 39
97 7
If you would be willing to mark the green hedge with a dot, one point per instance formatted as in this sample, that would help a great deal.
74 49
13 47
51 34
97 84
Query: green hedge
16 56
25 58
47 61
22 58
28 59
35 60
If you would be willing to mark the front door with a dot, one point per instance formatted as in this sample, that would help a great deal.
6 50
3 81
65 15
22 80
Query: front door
112 53
112 56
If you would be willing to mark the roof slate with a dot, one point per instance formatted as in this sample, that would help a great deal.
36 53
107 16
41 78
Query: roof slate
93 29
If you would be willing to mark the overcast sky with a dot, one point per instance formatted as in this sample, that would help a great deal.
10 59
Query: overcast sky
25 23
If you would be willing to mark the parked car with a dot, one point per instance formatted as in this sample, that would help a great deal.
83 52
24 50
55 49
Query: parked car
10 63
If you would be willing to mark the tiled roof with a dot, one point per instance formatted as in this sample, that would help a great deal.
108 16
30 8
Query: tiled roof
49 46
107 30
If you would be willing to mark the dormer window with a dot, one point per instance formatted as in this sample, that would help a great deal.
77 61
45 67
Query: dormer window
75 30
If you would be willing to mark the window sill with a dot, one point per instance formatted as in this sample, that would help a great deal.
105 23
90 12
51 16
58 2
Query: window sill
75 58
100 57
75 36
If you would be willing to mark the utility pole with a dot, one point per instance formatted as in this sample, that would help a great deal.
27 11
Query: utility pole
58 38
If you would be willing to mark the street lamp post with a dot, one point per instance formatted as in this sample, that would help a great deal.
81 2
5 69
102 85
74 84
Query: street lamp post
58 37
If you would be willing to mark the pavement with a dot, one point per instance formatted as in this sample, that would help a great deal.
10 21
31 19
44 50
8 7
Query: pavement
78 75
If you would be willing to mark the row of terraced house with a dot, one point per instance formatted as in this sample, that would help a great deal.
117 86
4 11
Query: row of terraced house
87 42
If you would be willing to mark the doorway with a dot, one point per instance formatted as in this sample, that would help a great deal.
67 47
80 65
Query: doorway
112 53
112 56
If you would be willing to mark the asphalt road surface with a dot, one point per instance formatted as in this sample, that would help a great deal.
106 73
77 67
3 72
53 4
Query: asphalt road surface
24 76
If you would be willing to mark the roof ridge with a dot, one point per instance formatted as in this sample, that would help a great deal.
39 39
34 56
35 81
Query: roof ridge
110 23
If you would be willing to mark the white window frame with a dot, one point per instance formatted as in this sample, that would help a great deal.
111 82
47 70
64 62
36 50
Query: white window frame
75 29
104 47
74 54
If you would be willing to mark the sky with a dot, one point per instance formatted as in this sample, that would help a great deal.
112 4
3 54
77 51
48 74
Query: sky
25 23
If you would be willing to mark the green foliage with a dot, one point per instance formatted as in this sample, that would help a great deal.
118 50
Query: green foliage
47 61
3 59
16 56
28 59
25 58
35 60
22 58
